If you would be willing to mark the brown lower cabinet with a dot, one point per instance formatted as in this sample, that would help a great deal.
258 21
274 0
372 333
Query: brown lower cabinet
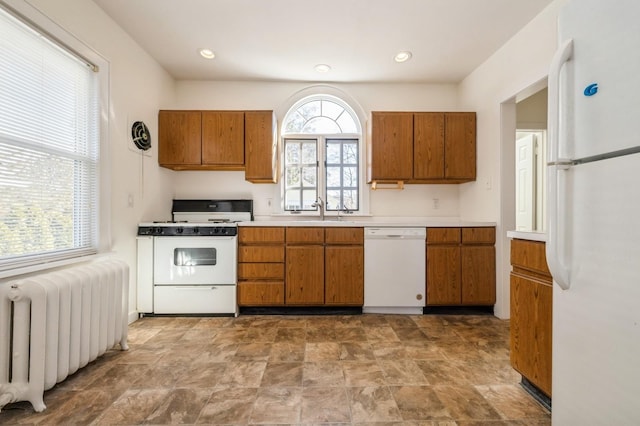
304 279
261 257
300 266
531 313
461 266
344 266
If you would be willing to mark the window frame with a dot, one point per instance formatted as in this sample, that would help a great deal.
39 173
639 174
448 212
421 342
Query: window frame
57 35
331 94
321 187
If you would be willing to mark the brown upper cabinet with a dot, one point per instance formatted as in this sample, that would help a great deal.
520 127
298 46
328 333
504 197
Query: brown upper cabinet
260 147
391 147
223 139
219 140
179 138
422 147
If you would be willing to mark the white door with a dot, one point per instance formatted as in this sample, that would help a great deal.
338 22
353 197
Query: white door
525 183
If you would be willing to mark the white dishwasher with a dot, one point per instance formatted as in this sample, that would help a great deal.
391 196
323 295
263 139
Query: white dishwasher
394 270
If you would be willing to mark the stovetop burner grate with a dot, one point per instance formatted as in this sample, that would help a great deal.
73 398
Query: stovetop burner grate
201 218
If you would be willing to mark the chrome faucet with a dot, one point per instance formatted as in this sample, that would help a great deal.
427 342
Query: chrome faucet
320 205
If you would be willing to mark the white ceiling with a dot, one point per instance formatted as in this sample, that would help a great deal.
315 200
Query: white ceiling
282 40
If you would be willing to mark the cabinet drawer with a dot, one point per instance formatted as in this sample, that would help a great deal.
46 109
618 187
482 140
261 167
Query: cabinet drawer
305 235
257 293
261 271
261 235
344 235
194 299
443 235
530 256
261 253
479 235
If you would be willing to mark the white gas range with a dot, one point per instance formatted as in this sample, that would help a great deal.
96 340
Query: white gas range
188 265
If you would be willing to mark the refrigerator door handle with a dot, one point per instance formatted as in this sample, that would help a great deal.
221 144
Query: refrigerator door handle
557 267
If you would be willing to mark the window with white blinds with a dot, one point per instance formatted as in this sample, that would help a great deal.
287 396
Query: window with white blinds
49 149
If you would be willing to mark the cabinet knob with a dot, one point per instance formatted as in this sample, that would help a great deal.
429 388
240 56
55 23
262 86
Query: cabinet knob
418 297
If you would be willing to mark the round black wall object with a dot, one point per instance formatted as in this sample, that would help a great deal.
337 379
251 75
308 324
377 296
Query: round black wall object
140 135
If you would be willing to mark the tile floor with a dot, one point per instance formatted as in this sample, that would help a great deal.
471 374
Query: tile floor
357 369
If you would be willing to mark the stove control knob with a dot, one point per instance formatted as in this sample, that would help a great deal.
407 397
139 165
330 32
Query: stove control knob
158 231
196 230
179 230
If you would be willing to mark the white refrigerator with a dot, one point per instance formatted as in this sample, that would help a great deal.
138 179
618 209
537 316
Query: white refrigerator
593 246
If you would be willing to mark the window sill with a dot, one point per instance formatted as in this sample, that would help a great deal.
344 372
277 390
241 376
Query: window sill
312 216
25 270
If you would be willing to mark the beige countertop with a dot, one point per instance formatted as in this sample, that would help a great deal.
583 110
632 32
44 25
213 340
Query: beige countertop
371 222
528 235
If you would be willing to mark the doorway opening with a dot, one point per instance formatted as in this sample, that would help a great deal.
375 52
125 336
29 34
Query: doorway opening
529 162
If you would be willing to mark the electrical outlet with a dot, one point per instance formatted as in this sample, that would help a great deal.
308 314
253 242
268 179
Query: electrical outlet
130 201
487 183
436 203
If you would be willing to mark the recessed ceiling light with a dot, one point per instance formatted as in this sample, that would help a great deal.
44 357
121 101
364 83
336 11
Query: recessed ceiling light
322 68
403 56
207 53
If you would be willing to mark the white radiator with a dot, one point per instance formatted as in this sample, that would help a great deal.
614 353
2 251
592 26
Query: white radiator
54 323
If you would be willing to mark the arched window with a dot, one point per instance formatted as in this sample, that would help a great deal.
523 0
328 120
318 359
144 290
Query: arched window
321 115
322 156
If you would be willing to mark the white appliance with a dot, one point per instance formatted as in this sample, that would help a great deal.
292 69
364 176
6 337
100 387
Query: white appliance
394 270
593 246
189 265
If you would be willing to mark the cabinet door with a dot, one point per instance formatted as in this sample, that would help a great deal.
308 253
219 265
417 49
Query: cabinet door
391 146
179 137
344 275
531 307
260 147
304 280
460 145
428 145
443 275
478 275
223 138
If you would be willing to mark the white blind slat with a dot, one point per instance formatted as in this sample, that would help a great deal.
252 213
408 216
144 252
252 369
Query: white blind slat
49 144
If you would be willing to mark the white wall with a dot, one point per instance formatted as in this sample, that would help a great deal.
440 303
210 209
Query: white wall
138 86
531 113
491 91
414 201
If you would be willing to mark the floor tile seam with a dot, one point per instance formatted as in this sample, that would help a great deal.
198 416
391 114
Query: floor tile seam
544 414
503 417
449 414
170 394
